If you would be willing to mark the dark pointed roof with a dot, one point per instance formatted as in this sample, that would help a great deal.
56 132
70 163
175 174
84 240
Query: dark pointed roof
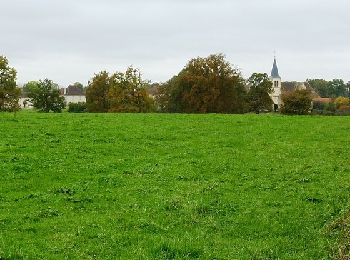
274 72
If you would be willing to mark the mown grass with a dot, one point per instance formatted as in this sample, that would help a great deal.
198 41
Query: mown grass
157 186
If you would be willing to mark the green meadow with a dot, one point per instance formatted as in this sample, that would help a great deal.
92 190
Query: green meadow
171 186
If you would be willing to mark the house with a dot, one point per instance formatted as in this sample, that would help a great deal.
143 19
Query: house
73 94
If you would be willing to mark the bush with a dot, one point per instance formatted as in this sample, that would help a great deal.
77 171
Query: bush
297 102
342 101
330 107
319 106
79 107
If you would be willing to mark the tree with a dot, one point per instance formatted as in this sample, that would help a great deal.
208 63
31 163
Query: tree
205 85
9 93
45 96
337 88
296 102
97 93
120 92
320 86
128 92
260 86
331 89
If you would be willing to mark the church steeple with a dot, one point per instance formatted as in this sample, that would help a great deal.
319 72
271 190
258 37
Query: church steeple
276 86
274 72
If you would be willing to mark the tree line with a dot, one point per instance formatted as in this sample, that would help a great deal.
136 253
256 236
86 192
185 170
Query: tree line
204 85
330 89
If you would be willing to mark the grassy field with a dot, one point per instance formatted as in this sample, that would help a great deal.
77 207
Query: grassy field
134 186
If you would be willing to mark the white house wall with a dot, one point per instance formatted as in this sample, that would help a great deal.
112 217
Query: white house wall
68 99
74 99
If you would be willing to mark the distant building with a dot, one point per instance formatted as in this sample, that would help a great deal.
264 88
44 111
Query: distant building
277 86
73 94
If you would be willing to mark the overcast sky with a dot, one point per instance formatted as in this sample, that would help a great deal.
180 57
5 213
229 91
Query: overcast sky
70 40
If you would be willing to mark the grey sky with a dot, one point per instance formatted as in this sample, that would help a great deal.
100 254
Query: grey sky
70 40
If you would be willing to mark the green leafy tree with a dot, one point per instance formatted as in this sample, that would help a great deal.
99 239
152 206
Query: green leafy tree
128 92
296 102
337 88
97 93
45 96
260 87
9 93
205 85
120 92
329 89
320 86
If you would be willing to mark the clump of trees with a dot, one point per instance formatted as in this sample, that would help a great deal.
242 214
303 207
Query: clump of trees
330 89
9 93
119 92
205 85
297 102
45 96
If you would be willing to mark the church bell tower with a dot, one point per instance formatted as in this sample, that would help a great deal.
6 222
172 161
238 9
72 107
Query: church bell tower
277 86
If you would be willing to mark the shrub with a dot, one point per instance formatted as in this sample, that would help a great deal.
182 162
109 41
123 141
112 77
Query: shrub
330 107
297 102
342 101
79 107
318 106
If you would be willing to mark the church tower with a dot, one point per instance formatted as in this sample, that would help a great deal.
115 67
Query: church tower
277 86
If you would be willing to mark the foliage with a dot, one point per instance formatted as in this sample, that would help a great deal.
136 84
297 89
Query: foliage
205 85
9 93
260 87
97 93
79 107
180 186
128 92
297 102
342 101
45 96
331 89
338 106
120 92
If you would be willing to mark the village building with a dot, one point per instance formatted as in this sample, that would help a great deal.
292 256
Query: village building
73 94
277 86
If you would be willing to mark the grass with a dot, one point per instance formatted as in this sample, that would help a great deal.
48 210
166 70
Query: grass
157 186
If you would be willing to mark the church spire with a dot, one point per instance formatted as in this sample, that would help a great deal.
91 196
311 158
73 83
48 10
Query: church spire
274 72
